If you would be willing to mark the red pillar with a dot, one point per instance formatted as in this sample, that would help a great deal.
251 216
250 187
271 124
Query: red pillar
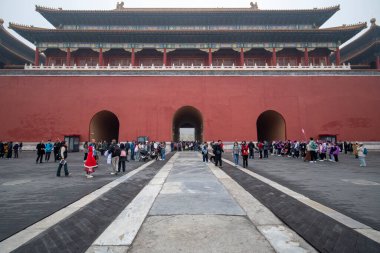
209 57
37 57
241 56
337 58
101 61
274 57
68 57
164 62
378 62
306 57
133 57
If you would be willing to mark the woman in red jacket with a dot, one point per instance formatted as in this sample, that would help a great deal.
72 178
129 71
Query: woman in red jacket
244 154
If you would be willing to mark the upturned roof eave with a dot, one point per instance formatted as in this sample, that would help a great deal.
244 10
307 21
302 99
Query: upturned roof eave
363 41
187 10
57 16
16 47
359 27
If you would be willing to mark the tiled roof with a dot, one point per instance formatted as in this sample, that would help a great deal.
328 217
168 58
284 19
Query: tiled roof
335 34
186 16
188 10
370 39
15 47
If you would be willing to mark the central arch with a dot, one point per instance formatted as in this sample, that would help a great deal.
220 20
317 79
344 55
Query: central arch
104 126
188 117
271 126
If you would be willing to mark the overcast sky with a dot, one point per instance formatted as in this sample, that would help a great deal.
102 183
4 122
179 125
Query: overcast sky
352 11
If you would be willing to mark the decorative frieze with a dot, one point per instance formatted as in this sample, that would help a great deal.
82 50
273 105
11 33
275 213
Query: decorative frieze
202 46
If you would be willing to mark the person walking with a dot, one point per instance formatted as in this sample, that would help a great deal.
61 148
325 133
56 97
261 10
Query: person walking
205 152
355 148
56 148
362 154
336 152
90 162
10 150
48 150
244 154
218 150
260 146
236 153
1 150
163 151
251 147
40 151
15 150
313 150
62 155
132 146
123 157
115 156
85 150
266 149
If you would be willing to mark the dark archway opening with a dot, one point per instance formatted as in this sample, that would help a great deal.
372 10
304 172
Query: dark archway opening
271 126
189 118
104 126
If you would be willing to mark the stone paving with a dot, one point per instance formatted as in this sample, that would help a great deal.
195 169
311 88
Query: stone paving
185 205
195 213
30 192
343 186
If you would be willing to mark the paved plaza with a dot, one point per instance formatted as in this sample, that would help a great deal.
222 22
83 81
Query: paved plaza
185 205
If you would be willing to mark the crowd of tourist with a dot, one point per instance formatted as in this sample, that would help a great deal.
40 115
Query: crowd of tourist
311 151
117 154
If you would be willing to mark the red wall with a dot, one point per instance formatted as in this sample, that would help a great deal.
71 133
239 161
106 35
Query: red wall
40 107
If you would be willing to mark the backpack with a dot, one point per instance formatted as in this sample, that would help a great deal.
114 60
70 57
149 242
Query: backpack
204 151
117 151
365 151
123 153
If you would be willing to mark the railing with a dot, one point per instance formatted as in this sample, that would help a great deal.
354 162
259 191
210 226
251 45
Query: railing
198 68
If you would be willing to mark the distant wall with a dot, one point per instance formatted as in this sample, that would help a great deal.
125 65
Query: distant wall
46 107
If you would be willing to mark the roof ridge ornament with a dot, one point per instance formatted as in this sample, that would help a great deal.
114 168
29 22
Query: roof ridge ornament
120 6
373 21
254 6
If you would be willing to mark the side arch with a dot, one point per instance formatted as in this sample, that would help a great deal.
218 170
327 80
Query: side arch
271 126
104 126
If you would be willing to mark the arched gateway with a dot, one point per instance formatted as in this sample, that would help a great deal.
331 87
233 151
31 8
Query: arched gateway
104 126
188 118
271 126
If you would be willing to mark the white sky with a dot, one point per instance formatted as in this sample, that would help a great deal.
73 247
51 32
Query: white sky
23 11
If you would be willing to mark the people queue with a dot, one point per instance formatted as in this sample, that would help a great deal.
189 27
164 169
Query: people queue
9 150
310 151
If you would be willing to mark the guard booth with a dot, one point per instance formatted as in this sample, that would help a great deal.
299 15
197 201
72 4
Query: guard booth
142 139
72 143
333 138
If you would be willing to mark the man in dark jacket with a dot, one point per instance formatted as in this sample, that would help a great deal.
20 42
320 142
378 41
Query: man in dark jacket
10 150
56 148
114 149
15 150
40 151
1 149
218 150
251 147
62 155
